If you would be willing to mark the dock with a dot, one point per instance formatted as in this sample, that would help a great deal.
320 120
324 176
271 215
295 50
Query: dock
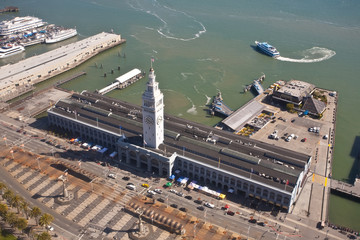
256 85
123 81
9 9
33 70
345 189
218 106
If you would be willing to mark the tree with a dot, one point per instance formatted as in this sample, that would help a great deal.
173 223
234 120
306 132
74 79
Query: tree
16 202
2 188
3 210
8 195
11 218
290 107
44 236
21 224
35 213
25 208
46 219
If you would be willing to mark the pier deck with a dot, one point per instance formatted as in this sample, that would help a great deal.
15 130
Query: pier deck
346 189
38 68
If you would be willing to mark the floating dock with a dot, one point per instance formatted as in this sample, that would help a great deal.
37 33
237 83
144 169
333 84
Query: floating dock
256 85
38 68
123 81
218 106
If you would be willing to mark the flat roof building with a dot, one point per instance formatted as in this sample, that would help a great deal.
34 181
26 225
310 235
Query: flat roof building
216 158
294 92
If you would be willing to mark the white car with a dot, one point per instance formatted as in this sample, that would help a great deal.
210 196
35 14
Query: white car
158 190
180 194
111 175
173 191
151 192
131 187
209 205
50 228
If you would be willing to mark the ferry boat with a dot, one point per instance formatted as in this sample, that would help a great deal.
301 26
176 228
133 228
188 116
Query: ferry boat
10 49
20 24
267 49
61 35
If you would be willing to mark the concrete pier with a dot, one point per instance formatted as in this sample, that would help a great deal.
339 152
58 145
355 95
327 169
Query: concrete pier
42 67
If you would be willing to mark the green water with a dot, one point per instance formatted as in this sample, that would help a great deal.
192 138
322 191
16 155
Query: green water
201 47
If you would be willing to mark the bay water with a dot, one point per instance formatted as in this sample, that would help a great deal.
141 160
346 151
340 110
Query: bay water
202 47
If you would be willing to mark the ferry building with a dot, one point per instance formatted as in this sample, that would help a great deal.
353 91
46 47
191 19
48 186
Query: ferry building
149 140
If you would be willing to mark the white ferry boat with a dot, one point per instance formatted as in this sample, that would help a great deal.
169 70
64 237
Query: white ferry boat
10 49
20 24
61 35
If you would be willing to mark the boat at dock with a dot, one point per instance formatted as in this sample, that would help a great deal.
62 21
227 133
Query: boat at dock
267 49
10 49
256 85
20 24
218 106
61 35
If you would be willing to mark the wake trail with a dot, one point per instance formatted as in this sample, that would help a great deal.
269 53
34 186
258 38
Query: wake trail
315 54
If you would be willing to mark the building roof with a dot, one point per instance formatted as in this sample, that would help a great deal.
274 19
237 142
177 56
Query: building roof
314 106
238 155
241 116
297 88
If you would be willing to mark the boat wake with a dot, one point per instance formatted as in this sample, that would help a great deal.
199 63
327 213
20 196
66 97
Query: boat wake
315 54
170 19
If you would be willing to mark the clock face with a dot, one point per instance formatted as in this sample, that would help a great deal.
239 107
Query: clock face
149 120
158 120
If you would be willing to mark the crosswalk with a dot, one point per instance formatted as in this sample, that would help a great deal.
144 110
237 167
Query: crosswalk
101 217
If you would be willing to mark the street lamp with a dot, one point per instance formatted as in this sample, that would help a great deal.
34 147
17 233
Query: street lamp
38 163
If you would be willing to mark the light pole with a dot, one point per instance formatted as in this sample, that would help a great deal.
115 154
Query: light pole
248 233
38 163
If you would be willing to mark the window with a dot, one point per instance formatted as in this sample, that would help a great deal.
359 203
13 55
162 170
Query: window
252 188
272 195
238 184
265 193
220 177
245 186
232 181
286 200
278 198
226 179
258 191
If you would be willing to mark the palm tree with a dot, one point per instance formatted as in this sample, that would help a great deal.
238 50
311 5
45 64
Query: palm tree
11 218
35 213
8 195
21 224
43 236
2 188
16 202
46 219
3 210
25 208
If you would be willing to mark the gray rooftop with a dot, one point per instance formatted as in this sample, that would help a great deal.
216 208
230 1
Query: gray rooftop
238 155
297 88
244 114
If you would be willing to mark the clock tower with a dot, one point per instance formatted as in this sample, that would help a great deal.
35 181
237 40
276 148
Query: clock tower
153 113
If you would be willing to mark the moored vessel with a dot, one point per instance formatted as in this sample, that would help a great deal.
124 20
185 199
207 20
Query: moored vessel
267 49
20 24
10 49
61 35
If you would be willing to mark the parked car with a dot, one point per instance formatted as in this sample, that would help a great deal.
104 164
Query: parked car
174 205
111 175
183 209
131 186
157 190
151 192
145 185
180 194
231 213
261 224
161 200
50 228
252 220
201 208
126 178
209 205
173 191
188 197
198 201
303 140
